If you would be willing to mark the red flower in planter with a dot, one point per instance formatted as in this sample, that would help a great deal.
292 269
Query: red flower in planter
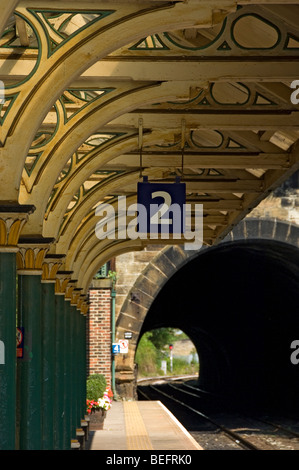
109 392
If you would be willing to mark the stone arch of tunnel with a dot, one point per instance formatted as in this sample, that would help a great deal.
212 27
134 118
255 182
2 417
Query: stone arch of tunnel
237 302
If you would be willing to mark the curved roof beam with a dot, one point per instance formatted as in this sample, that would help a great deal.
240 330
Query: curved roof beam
6 11
88 271
128 23
40 193
84 232
117 185
103 250
93 247
85 239
88 245
124 184
87 166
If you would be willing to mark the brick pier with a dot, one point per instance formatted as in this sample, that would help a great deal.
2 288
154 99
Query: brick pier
99 330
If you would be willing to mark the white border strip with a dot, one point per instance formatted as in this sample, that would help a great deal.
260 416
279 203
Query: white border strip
180 426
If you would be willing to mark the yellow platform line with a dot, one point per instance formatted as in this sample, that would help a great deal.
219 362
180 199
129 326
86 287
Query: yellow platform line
137 436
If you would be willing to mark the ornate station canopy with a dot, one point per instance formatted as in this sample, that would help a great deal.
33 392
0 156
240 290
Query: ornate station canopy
98 94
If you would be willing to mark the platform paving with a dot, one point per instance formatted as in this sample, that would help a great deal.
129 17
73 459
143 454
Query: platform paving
141 425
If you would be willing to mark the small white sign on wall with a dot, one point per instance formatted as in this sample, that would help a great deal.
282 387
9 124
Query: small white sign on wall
124 346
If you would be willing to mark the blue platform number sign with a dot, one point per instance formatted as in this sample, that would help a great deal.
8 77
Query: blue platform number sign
163 207
115 348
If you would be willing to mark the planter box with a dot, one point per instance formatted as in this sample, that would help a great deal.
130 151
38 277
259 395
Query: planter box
97 418
101 283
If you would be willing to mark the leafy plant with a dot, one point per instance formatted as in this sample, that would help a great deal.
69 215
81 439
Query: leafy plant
95 386
113 276
161 337
146 356
104 402
153 348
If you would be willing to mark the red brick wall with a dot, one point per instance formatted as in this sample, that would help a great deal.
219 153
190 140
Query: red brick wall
99 333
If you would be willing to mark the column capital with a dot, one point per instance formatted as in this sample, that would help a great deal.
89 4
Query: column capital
13 217
75 296
31 254
82 304
84 307
62 280
80 301
69 289
51 264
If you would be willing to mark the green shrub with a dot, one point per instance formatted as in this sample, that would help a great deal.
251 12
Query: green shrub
95 386
146 356
180 366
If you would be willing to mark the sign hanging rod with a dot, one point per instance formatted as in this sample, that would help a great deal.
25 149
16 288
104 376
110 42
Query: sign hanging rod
183 144
140 143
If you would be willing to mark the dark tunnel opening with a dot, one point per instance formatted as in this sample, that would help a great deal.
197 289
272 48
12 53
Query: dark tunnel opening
239 304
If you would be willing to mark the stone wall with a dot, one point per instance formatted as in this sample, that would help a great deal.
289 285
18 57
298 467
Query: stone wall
128 268
284 207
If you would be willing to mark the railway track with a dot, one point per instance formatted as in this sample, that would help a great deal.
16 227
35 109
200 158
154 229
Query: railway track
219 430
199 392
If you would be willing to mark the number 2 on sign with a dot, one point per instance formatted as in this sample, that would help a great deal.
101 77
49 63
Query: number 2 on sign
158 216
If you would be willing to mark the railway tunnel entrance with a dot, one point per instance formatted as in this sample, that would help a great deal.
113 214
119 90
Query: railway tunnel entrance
239 304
